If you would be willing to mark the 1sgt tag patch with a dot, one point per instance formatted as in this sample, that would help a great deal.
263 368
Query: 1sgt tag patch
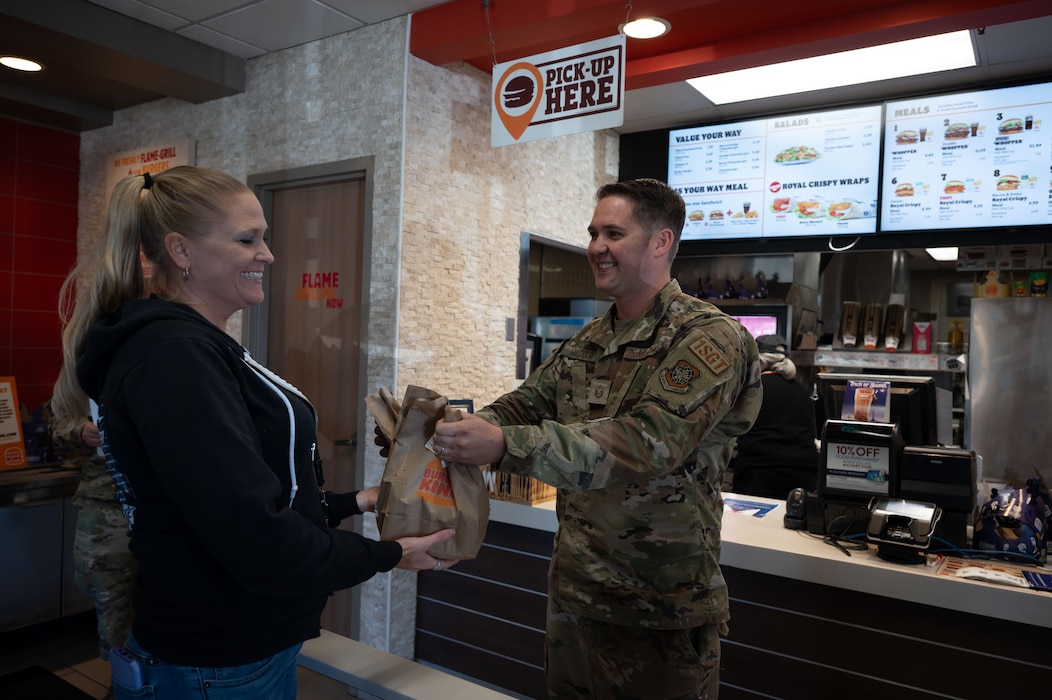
679 378
711 355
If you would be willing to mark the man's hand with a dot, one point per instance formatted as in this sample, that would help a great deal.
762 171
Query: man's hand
470 440
89 435
381 441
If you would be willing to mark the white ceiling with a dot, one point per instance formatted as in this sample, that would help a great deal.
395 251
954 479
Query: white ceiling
254 27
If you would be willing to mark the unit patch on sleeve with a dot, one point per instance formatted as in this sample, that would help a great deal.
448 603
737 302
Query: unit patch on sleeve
679 378
711 355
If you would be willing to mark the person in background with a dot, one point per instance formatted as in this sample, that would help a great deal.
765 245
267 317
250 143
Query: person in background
779 453
634 419
104 566
214 457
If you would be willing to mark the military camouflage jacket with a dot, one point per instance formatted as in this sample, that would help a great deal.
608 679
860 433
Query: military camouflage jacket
635 425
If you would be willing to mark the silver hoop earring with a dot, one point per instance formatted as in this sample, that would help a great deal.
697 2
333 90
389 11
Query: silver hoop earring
186 273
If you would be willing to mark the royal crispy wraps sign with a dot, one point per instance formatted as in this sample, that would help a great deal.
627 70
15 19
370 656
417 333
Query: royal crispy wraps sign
569 91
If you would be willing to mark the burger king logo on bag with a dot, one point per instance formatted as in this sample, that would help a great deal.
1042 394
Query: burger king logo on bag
435 486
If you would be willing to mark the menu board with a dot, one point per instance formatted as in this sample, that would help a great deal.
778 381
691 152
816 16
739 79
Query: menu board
968 160
804 175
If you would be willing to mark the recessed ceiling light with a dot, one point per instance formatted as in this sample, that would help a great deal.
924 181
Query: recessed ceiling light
896 60
647 28
20 63
942 254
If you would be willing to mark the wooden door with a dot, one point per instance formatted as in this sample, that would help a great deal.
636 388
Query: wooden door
314 321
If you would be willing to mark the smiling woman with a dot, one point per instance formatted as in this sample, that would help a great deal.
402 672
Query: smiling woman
202 439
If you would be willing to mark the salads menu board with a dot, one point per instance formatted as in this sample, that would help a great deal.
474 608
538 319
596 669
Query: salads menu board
968 160
804 175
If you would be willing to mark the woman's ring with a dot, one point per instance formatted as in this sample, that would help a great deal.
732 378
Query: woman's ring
441 450
438 564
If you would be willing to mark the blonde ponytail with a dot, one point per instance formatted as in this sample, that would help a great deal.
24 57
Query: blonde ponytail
142 211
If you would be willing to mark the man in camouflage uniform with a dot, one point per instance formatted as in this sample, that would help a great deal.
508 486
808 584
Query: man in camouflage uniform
634 419
104 568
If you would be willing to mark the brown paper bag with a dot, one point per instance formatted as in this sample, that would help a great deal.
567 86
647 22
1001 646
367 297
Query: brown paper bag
419 493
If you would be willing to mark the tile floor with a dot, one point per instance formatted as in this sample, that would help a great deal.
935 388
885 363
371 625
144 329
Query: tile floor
69 648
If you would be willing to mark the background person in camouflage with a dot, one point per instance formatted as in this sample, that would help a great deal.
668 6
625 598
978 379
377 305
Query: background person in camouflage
634 419
104 567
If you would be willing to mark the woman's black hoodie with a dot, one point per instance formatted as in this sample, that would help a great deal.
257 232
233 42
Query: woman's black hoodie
235 564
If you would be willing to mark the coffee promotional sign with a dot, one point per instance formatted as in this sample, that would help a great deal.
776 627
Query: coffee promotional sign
569 91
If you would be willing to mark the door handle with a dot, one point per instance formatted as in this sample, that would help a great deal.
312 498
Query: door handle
352 442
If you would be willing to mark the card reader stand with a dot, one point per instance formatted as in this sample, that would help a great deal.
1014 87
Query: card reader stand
859 461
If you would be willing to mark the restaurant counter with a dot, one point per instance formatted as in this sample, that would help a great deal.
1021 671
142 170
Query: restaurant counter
802 609
765 545
38 522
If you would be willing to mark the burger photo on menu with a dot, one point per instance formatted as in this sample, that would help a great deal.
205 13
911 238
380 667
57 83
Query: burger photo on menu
1011 126
904 189
954 187
1008 182
783 205
715 215
697 215
957 131
905 137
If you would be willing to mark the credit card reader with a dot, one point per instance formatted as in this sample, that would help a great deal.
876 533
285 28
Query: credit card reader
902 529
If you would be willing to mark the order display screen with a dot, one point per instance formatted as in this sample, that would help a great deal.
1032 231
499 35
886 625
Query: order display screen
968 160
803 175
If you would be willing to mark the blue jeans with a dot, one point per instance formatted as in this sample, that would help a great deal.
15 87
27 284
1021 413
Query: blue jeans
272 678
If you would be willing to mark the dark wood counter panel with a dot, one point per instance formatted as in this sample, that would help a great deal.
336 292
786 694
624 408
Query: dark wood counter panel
806 622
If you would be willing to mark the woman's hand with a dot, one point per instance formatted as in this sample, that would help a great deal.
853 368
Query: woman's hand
366 499
415 556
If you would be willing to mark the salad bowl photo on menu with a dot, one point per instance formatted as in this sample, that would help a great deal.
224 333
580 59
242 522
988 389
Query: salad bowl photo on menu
797 155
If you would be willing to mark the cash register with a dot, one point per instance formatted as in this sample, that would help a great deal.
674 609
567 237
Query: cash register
881 441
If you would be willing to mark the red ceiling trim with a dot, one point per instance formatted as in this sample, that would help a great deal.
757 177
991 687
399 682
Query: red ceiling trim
708 36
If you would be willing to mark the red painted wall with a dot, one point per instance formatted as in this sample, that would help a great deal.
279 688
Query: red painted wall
39 172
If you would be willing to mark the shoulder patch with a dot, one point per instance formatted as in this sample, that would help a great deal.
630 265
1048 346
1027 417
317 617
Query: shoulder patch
710 355
680 377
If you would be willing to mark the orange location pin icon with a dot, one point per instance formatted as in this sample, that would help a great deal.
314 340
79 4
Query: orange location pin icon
517 97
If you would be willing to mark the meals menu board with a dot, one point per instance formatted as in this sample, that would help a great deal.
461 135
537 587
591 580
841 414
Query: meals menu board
968 160
803 175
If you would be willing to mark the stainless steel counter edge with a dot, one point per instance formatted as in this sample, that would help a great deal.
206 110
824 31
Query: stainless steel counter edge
28 485
765 546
